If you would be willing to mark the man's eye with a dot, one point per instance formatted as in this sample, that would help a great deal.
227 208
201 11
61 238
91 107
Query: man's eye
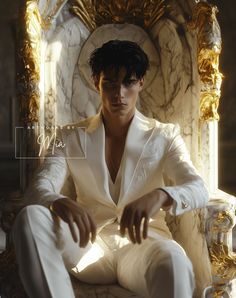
109 84
130 83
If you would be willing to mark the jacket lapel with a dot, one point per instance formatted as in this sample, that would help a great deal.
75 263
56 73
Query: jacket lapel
139 134
95 151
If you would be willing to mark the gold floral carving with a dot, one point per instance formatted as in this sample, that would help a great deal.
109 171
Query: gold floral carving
94 13
209 48
223 222
28 74
223 262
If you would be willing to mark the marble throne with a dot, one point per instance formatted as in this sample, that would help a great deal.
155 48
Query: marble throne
182 39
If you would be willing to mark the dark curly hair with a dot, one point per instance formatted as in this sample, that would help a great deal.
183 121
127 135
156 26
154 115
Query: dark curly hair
117 54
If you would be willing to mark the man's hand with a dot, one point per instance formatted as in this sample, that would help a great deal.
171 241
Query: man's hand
71 213
140 211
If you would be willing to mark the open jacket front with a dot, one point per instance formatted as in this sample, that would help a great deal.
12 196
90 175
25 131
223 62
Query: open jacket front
152 149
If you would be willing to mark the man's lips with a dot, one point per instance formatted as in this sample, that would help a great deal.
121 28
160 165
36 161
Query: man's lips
118 104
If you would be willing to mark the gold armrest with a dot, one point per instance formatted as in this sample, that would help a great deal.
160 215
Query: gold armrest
219 224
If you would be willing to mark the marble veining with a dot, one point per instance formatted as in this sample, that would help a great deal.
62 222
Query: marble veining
171 94
172 81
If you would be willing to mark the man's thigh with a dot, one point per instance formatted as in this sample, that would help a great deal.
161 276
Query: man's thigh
54 243
134 260
93 264
97 266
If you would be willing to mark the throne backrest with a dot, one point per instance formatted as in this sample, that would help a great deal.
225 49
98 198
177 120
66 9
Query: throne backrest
184 81
172 91
182 86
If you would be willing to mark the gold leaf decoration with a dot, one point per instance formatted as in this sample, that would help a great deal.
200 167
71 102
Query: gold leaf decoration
94 13
223 262
28 74
209 48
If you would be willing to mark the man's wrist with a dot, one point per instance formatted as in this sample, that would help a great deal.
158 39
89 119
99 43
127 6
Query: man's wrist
166 199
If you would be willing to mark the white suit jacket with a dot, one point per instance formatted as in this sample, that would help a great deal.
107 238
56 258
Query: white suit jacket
152 149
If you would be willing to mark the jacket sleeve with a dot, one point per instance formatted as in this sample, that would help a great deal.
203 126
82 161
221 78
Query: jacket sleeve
189 191
49 178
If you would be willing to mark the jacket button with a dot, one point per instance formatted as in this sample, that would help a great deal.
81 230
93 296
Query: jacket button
185 205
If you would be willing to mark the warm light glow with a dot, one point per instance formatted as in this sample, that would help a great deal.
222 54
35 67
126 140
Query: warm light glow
56 51
42 86
92 256
213 156
120 241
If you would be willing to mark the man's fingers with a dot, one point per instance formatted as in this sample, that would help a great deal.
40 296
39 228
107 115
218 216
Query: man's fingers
82 230
130 227
87 229
145 227
72 214
67 216
70 222
123 223
127 221
93 229
137 225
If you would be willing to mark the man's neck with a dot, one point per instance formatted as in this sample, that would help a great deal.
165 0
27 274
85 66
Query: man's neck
116 127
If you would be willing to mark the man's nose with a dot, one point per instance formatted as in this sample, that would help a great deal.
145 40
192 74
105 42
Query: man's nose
120 90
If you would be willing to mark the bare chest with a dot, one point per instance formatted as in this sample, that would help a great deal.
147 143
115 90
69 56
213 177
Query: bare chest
114 149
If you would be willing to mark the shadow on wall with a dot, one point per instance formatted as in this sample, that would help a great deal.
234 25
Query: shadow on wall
227 109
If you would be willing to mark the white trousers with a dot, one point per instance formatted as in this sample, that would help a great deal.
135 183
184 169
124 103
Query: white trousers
45 250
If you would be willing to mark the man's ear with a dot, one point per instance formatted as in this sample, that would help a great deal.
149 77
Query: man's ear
141 83
96 82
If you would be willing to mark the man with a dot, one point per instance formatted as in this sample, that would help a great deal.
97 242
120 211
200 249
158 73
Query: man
115 231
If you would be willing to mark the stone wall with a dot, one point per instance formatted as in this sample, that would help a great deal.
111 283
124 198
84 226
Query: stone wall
9 166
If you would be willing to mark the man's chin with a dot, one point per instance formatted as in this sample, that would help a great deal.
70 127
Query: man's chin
119 109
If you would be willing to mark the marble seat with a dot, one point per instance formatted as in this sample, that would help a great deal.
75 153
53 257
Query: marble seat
57 41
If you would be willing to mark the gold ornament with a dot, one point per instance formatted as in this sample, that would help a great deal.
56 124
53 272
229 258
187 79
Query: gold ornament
209 48
94 13
28 74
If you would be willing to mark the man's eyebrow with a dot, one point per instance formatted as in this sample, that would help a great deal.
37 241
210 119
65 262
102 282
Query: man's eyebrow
131 79
108 79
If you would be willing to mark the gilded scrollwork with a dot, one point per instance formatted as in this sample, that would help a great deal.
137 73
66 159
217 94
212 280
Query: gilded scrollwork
223 262
29 54
223 221
28 75
219 224
209 48
95 13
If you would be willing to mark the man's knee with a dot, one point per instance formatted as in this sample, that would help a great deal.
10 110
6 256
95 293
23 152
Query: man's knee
160 270
169 272
166 262
25 217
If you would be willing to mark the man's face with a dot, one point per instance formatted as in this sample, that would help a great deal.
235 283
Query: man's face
118 93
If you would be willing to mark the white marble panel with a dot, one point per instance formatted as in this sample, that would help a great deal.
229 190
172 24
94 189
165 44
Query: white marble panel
48 8
61 58
171 95
85 101
172 91
181 87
